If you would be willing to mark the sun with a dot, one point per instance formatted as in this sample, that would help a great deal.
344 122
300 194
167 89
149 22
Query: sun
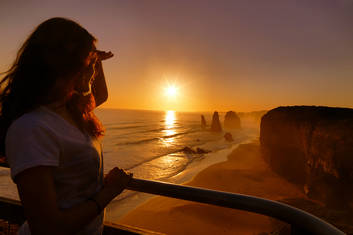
171 91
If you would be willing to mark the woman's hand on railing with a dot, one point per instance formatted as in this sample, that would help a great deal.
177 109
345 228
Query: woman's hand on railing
117 180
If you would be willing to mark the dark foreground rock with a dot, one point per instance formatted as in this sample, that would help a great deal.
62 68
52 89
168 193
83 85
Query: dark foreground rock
216 124
312 147
231 121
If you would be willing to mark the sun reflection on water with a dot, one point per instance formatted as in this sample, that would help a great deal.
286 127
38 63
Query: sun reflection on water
169 119
169 125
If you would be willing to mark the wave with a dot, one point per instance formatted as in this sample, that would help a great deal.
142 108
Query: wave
165 177
179 150
176 125
155 138
125 127
121 123
140 131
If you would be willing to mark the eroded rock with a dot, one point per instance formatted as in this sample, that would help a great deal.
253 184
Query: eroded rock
216 124
231 120
203 122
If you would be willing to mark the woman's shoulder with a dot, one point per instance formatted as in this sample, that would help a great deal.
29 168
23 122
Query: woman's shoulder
29 121
43 122
31 142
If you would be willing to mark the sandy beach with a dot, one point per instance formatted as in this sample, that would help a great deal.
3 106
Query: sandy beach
244 172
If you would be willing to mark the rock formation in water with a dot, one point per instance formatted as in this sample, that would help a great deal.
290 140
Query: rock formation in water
203 122
228 137
216 124
197 151
231 121
188 150
201 151
313 147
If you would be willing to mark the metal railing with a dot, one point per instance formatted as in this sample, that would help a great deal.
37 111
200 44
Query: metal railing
301 222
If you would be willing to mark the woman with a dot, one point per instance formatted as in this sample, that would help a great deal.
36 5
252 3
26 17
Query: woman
50 135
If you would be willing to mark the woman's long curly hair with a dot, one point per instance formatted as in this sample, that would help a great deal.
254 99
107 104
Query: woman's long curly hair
44 72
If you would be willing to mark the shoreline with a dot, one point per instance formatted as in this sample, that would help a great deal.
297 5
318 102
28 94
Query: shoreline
243 172
119 208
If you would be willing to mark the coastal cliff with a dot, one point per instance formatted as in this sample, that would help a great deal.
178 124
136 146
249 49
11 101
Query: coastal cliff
312 147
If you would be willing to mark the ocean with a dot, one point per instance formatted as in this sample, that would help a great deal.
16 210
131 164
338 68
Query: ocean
150 145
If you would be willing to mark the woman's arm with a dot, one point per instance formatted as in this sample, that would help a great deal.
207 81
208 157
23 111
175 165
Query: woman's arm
99 88
38 196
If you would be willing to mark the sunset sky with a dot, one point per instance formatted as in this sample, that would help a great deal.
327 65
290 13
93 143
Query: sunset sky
241 55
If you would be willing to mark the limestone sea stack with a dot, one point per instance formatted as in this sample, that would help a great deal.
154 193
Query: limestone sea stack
313 147
203 122
231 121
216 124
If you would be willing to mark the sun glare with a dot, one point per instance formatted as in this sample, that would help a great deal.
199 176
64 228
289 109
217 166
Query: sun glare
171 94
171 91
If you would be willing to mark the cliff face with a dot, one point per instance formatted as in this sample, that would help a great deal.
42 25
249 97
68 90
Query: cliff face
313 147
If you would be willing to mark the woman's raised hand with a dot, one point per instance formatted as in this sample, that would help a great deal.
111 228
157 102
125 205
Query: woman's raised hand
116 180
103 55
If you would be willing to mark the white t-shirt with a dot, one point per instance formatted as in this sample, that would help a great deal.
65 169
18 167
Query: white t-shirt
44 138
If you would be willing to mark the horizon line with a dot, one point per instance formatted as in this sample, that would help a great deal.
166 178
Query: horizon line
159 110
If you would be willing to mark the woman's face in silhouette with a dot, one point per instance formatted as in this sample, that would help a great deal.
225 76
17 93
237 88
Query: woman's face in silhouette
87 75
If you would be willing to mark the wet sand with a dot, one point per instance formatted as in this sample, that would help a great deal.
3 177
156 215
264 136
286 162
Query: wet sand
244 172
